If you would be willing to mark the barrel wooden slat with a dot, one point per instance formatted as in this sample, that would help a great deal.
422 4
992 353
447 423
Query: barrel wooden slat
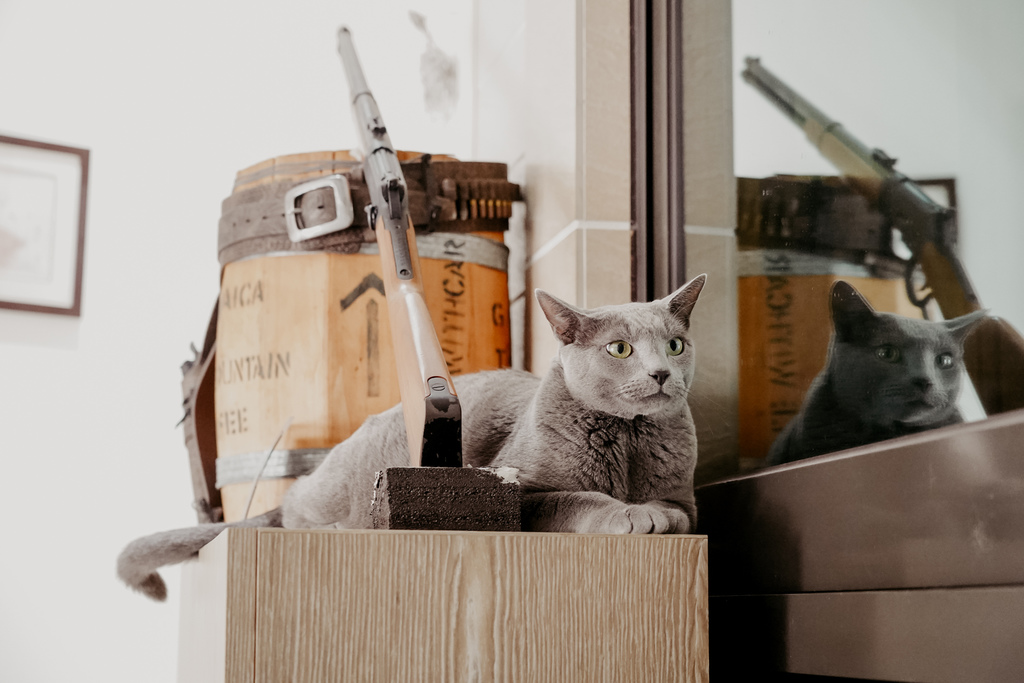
307 337
470 322
279 168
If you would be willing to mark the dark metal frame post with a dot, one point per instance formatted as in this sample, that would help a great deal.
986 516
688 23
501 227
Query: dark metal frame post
675 198
658 185
640 145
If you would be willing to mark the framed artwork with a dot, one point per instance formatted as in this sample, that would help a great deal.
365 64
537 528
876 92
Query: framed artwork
42 225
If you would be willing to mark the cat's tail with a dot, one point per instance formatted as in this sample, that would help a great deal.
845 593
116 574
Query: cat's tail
138 563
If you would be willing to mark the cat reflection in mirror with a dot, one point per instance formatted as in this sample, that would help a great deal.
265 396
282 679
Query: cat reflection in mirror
886 375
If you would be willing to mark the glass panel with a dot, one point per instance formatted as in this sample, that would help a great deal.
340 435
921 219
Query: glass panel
934 84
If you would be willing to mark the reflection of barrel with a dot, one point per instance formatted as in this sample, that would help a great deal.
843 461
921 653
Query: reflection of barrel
306 336
797 236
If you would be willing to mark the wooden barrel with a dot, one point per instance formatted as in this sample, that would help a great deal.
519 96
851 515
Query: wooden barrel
304 336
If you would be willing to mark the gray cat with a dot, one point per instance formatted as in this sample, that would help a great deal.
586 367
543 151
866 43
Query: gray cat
604 443
886 375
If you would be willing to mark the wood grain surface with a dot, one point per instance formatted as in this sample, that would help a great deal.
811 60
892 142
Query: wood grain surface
473 606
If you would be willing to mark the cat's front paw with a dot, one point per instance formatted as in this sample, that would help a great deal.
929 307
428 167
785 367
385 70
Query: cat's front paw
649 518
656 518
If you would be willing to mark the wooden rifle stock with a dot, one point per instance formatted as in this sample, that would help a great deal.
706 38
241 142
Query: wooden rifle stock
424 383
994 353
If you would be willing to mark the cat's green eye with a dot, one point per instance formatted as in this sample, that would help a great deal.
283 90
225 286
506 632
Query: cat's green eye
944 361
888 353
619 349
675 346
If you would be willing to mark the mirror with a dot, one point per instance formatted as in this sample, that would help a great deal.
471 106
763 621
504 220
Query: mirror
928 84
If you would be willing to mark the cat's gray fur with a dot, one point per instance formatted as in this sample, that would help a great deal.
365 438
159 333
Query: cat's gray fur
860 397
602 444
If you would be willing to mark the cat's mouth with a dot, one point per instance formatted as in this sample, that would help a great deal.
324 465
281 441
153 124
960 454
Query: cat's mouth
659 395
918 410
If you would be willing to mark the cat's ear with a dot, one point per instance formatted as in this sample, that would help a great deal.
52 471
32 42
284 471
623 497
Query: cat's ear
852 315
565 320
962 326
680 302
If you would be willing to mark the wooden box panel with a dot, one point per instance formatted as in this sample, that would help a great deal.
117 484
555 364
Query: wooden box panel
446 606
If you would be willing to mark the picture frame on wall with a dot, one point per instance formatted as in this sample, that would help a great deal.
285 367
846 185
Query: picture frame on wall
43 190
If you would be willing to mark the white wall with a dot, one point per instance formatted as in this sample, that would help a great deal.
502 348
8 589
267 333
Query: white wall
172 99
935 83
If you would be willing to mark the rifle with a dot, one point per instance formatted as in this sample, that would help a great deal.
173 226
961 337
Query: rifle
433 415
994 354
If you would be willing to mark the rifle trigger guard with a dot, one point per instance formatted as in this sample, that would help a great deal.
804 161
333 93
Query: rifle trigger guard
395 194
908 282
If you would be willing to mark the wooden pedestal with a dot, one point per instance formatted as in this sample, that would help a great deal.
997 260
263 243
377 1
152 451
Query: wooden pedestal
273 605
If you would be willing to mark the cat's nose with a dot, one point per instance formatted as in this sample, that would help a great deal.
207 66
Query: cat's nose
660 376
922 383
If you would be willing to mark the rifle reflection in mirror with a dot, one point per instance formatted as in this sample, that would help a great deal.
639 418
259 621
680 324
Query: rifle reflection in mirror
798 236
886 375
801 233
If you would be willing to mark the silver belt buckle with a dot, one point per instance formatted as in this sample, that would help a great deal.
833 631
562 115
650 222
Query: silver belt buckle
299 232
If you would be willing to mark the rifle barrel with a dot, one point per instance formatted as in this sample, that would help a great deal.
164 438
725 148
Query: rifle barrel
863 165
353 71
372 131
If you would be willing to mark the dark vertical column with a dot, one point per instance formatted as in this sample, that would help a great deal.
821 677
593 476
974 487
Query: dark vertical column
658 207
673 122
641 214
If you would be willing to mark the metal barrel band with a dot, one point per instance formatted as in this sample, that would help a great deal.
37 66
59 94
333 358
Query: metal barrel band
458 247
441 246
244 467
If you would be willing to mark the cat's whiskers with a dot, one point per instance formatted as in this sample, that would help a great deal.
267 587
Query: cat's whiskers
641 389
704 398
696 404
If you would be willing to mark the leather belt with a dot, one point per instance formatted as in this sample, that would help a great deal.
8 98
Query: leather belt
444 196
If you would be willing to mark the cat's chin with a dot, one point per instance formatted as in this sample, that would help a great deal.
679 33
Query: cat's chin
658 403
651 405
917 413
